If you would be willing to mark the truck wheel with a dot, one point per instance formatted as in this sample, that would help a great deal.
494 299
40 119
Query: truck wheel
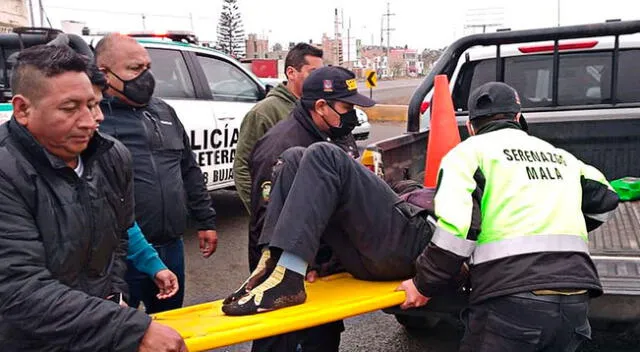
415 322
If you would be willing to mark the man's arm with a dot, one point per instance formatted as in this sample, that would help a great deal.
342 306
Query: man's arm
252 128
599 200
457 206
124 161
40 306
143 256
198 199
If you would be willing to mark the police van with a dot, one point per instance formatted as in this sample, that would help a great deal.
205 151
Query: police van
210 91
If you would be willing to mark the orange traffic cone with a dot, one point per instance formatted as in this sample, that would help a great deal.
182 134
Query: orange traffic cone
443 134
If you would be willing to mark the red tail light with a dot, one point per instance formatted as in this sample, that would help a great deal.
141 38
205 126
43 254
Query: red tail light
424 106
567 46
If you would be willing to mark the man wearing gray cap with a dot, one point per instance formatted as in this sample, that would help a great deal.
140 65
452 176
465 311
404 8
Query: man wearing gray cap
518 210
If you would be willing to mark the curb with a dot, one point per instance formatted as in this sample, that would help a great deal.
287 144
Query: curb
382 112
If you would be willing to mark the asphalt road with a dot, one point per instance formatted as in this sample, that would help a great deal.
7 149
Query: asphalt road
392 92
214 278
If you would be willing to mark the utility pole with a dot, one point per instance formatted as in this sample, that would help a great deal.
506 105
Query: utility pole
33 21
336 23
381 32
558 13
191 21
144 25
41 13
389 29
349 44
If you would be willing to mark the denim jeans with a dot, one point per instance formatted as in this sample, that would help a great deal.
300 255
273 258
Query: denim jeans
142 288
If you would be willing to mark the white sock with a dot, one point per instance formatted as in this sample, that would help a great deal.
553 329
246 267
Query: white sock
293 263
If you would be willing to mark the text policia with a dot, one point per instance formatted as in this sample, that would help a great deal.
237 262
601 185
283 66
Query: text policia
213 149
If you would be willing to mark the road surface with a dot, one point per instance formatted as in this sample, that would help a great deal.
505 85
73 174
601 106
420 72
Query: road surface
392 92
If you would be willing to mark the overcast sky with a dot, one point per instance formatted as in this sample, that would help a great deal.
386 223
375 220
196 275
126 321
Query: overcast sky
419 24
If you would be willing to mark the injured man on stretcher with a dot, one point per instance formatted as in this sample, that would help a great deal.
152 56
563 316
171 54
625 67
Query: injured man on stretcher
319 194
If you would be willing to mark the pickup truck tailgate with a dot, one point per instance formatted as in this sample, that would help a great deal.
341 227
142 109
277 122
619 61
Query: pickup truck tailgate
615 248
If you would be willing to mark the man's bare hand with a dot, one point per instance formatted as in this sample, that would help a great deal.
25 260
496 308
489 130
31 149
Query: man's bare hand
208 242
167 283
161 338
414 298
312 276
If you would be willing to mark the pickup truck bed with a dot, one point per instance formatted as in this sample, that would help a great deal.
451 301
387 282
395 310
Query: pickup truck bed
615 246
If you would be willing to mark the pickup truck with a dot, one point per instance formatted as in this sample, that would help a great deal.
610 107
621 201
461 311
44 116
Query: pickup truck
580 90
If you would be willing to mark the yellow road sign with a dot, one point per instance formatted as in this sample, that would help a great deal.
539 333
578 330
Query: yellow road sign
371 79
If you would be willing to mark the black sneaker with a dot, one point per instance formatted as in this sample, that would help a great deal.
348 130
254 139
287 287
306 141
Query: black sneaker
283 288
265 266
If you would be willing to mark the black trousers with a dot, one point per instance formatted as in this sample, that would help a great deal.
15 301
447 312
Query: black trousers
526 323
320 193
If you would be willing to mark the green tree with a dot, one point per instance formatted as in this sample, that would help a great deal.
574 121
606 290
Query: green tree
230 30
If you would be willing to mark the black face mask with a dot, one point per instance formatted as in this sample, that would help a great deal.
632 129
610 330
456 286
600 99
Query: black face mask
348 121
139 89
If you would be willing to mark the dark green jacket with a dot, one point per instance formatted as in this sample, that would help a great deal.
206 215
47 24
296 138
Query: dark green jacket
264 115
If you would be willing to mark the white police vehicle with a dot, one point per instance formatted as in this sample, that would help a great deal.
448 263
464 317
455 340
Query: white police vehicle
210 91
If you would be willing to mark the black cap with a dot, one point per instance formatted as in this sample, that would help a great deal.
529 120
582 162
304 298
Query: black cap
333 83
493 98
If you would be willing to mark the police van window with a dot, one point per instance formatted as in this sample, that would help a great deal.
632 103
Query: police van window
227 82
628 90
532 77
472 75
485 71
584 78
171 74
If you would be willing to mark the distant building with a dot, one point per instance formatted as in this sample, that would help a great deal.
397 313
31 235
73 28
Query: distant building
256 48
332 50
403 62
13 13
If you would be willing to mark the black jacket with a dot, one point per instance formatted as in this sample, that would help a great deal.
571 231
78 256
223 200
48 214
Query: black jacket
296 131
63 244
168 182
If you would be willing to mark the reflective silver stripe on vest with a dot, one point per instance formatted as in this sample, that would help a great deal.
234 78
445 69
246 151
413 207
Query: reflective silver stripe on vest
452 243
528 244
602 217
